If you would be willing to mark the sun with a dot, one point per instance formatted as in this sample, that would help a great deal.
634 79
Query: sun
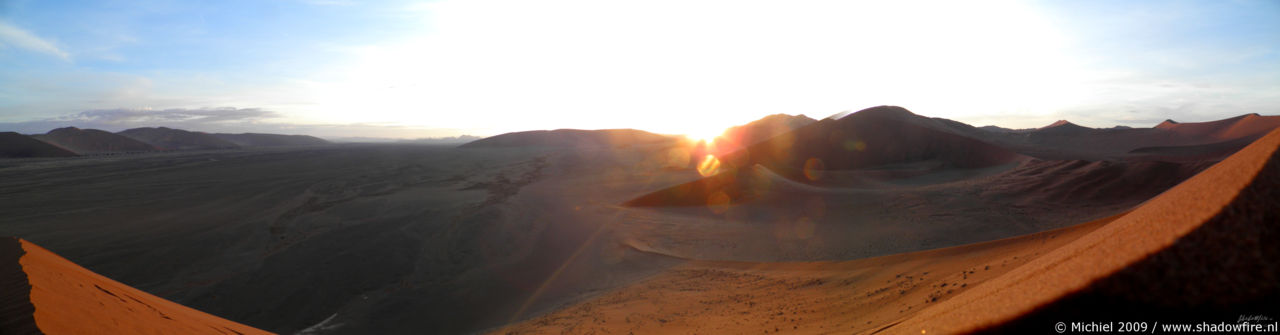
708 134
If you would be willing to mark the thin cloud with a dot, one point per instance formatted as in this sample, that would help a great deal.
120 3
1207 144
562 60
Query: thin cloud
222 120
12 36
173 115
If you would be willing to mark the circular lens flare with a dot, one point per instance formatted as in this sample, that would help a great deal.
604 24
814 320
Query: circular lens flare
709 166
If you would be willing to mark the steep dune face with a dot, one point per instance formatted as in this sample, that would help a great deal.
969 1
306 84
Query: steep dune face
15 145
45 293
16 311
178 139
90 141
570 138
1204 250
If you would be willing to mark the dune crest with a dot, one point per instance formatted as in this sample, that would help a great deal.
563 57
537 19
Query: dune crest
44 293
1204 246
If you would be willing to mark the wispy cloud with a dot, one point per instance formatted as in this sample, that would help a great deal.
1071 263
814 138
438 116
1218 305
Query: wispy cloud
13 36
183 115
223 120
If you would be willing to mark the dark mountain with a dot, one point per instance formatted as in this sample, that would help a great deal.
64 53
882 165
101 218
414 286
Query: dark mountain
15 145
178 139
93 141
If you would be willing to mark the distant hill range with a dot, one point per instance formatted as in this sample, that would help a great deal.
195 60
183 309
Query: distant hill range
441 140
270 140
178 139
92 141
571 138
72 141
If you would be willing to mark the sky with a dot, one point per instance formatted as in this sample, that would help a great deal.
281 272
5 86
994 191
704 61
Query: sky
414 69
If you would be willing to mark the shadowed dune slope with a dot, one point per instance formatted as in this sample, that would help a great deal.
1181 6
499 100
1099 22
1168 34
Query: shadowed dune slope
759 130
872 137
570 138
1204 250
44 293
885 137
177 139
270 140
1093 183
88 141
15 145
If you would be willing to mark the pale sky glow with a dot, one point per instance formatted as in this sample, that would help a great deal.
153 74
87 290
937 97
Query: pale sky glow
451 67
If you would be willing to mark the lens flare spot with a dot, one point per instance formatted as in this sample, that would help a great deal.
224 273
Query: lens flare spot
855 145
718 202
710 165
678 158
813 169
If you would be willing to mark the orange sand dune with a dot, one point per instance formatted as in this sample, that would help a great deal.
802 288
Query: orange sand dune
44 293
859 296
1206 249
1203 251
1248 125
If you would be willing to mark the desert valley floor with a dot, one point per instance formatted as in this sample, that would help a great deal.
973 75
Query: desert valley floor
881 221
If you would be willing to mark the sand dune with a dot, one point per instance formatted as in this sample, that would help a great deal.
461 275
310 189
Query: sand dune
868 138
1244 126
1199 250
860 296
1091 182
15 145
177 139
44 293
92 141
886 138
1064 140
736 137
